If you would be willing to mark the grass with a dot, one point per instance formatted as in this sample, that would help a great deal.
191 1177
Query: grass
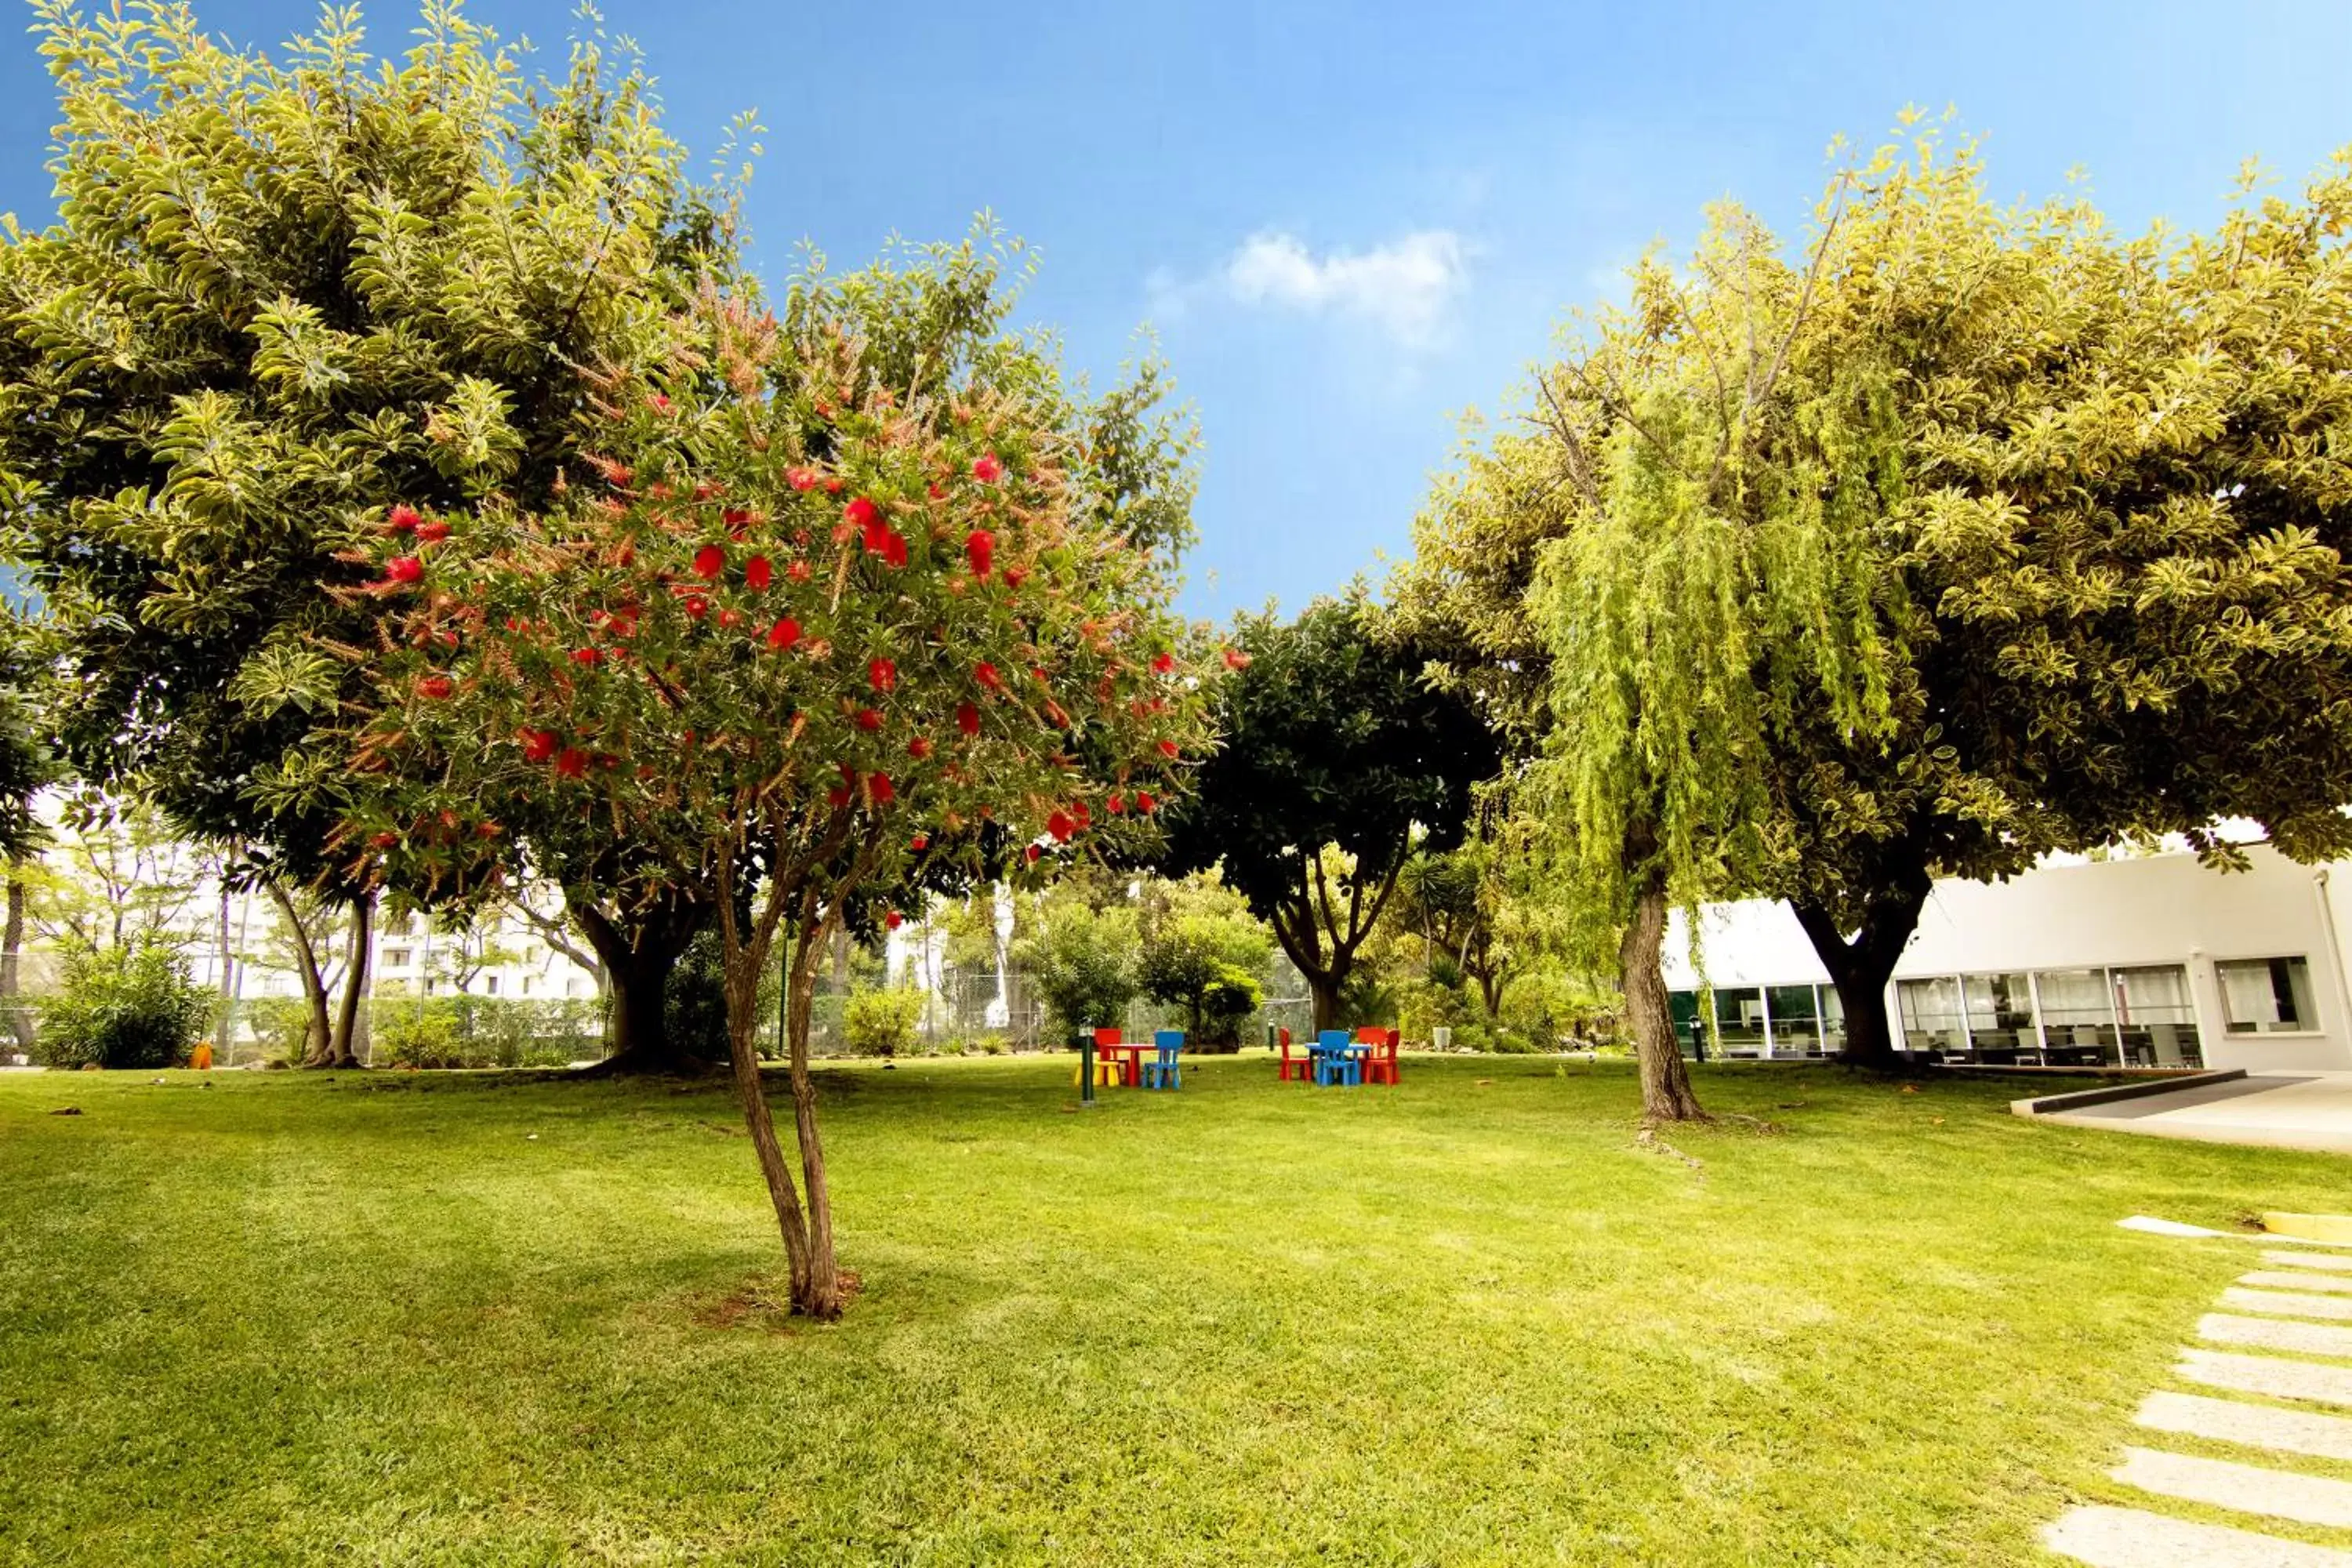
486 1318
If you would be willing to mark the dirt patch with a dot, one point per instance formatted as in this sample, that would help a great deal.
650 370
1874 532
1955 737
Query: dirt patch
761 1301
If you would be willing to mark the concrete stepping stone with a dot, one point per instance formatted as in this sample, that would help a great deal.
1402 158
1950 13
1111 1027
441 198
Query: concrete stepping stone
2270 1334
2250 1425
2291 1279
2131 1537
2250 1489
2313 1259
2267 1376
2288 1304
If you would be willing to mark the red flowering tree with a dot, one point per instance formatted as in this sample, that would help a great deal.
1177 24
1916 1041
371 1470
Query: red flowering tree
808 623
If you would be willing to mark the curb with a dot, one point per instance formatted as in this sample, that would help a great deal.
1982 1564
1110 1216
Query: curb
2055 1104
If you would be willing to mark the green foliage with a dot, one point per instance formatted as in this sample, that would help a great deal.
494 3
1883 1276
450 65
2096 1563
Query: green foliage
483 1031
122 1006
1082 961
694 999
881 1022
1203 950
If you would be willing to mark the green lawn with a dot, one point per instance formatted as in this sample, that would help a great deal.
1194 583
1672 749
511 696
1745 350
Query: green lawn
404 1318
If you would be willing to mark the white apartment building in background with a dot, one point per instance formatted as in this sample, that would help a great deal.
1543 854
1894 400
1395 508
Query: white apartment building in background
2148 961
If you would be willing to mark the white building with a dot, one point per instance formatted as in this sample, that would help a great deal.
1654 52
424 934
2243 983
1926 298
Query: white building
2153 960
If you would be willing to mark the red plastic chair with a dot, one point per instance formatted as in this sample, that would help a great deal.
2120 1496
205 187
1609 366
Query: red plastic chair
1107 1035
1380 1066
1298 1068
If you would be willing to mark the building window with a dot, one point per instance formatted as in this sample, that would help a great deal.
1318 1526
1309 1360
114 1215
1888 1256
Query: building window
2000 1012
1796 1020
2267 996
1931 1014
1740 1021
2078 1018
492 984
396 957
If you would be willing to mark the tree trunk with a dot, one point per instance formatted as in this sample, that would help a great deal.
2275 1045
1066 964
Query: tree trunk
12 947
1862 967
345 1051
1665 1082
819 1295
319 1039
637 961
743 1055
1325 989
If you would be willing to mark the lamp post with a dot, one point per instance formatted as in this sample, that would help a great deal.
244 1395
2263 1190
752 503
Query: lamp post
1086 1064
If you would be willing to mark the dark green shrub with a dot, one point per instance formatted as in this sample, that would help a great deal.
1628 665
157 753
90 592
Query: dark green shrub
123 1007
483 1032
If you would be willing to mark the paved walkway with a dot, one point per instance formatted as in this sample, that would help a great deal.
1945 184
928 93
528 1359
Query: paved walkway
2285 1420
2281 1109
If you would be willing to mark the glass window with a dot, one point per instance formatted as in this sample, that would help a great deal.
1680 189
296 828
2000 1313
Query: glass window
2158 1017
1681 1007
1931 1014
1796 1020
395 958
2267 996
2078 1016
1740 1020
1833 1007
2001 1012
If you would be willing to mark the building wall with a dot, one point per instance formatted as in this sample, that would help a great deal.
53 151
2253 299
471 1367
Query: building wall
2149 911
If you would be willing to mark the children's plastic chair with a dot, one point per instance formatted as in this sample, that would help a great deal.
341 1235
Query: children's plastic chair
1335 1061
1293 1067
1380 1063
1166 1069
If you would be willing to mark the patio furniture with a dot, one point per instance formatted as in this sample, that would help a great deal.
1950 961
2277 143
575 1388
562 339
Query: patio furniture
1336 1059
1165 1071
1297 1066
1126 1054
1379 1056
1107 1075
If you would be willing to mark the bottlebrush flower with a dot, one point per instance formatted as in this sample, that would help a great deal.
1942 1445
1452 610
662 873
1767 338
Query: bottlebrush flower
383 840
696 606
919 842
784 633
800 479
860 513
1163 664
967 718
758 573
404 569
1117 803
709 562
737 520
401 519
537 745
986 674
980 550
730 619
1168 748
919 747
839 795
894 549
1033 853
1055 715
1236 659
798 570
893 921
867 719
1060 826
1015 575
436 687
936 490
986 468
657 403
587 656
571 763
878 789
883 675
833 485
433 533
1144 803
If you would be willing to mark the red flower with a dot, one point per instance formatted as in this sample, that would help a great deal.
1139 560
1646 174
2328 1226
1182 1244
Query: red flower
860 513
968 718
894 920
709 562
384 840
1055 715
1015 575
980 548
620 474
657 403
935 490
878 789
1236 659
1168 748
784 633
758 573
894 550
1086 818
704 490
919 842
1163 664
883 674
802 479
404 569
1144 803
986 674
736 519
919 747
401 519
433 533
537 745
1060 826
867 719
730 619
833 485
798 570
837 796
696 606
986 468
1117 803
571 763
587 656
1033 853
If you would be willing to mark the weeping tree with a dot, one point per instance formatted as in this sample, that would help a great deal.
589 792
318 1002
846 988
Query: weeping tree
283 292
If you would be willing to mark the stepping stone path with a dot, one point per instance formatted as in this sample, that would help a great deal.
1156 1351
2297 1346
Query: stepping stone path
2297 1306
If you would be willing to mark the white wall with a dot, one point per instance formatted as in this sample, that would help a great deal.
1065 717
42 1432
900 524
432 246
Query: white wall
2159 908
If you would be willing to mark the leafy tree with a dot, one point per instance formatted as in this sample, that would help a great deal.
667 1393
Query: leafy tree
124 1005
282 293
881 1022
1338 758
793 667
1081 959
1203 950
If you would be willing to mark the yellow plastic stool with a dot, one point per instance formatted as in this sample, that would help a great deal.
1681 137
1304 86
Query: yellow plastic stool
1107 1075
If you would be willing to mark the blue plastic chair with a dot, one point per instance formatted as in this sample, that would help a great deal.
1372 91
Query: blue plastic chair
1166 1069
1335 1060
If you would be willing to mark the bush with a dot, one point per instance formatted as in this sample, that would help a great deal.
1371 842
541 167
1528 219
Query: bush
123 1007
1083 966
483 1032
280 1026
881 1022
1226 1004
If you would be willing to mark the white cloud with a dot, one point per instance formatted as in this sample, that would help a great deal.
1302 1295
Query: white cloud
1406 287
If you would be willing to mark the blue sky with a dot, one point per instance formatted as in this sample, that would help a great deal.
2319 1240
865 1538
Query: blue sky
1351 223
